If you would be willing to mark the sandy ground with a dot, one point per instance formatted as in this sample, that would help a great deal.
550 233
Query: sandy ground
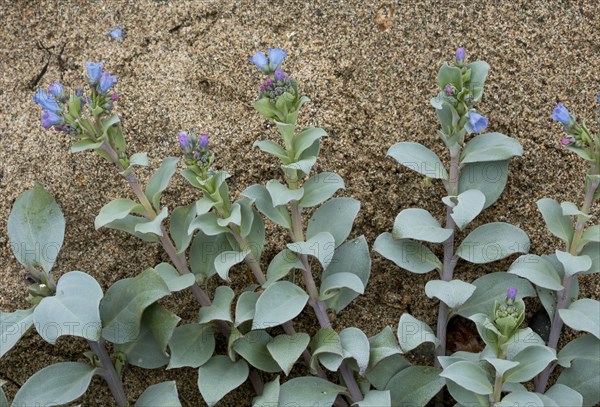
369 68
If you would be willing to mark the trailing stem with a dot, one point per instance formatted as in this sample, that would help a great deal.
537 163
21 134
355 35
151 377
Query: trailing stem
449 257
541 380
109 373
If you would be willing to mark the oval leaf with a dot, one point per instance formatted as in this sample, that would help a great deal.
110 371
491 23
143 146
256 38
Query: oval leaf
418 224
220 376
162 394
490 147
418 158
319 188
73 310
36 229
470 376
493 241
407 254
55 385
279 303
336 217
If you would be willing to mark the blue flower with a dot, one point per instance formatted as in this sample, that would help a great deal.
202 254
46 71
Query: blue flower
511 293
276 56
94 71
478 122
116 34
106 82
269 65
561 114
46 101
50 119
56 90
184 140
203 141
460 54
260 60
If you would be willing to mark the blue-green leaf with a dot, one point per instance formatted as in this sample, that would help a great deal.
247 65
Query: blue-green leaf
220 308
279 303
493 241
36 229
179 224
560 225
286 349
56 384
488 177
321 246
350 258
538 270
336 217
412 333
319 188
418 158
161 394
124 303
470 376
407 254
309 391
418 224
490 147
73 310
191 345
219 376
583 315
160 180
13 326
148 349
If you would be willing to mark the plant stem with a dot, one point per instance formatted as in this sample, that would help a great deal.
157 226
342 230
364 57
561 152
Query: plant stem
449 258
254 266
317 305
109 373
541 381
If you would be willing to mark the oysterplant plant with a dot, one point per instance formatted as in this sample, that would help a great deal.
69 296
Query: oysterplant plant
250 335
512 355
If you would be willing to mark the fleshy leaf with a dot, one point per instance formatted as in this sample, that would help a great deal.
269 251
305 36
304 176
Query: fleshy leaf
36 229
407 254
418 224
279 303
73 310
418 158
493 241
191 345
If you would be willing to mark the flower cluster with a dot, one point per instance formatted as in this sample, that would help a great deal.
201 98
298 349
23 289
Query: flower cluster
460 92
578 135
269 65
52 113
274 87
196 153
509 315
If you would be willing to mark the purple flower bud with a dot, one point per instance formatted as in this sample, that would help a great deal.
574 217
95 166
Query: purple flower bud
260 60
56 90
460 54
50 119
196 155
114 97
184 140
46 101
268 83
449 90
279 75
478 122
276 56
561 114
106 82
94 71
511 293
565 141
116 34
203 141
